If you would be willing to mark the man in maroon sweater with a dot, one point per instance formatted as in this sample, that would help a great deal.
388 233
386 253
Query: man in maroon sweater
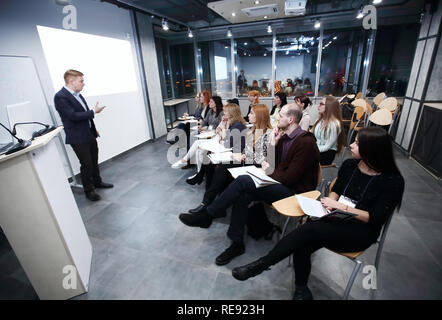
296 158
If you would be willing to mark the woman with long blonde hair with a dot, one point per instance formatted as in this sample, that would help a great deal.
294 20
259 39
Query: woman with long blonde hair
329 130
217 176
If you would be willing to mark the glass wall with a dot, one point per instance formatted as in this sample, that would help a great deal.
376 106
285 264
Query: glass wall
215 69
253 65
183 70
392 59
342 61
295 63
164 68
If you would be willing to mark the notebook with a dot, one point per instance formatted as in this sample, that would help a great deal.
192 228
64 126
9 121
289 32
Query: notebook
314 208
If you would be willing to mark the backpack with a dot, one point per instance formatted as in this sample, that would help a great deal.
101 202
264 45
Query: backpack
258 225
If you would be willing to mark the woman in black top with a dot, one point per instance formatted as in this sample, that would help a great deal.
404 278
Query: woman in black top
375 186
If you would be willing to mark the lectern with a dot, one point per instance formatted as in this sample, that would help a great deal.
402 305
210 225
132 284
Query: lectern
41 220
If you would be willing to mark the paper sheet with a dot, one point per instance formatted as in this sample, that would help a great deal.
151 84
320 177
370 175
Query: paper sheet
311 207
223 157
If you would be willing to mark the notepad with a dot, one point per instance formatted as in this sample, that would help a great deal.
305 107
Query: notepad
314 208
206 135
259 178
213 146
223 157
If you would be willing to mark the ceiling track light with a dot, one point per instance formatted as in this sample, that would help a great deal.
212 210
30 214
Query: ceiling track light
164 25
229 33
360 15
377 1
269 28
190 34
317 24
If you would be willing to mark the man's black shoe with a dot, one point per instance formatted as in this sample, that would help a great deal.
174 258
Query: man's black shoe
198 209
249 270
235 249
104 185
91 195
302 293
201 219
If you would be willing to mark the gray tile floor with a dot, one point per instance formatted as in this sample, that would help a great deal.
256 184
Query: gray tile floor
142 251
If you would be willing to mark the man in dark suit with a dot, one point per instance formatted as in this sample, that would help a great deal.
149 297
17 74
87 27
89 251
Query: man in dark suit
80 131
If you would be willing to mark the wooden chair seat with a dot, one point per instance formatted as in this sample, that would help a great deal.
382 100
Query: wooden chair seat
381 117
350 255
333 165
389 104
290 206
378 99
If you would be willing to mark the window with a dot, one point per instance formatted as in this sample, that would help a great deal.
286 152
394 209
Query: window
165 73
253 69
342 61
392 59
295 63
216 67
183 70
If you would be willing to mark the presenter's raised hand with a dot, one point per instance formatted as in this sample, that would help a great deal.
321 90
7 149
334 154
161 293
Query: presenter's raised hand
98 109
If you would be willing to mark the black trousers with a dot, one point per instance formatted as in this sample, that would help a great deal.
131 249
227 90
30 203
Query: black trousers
217 179
240 193
341 236
87 153
327 157
186 128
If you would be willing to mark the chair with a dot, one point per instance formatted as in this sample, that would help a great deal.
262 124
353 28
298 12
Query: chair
290 207
355 121
378 99
353 256
381 117
389 104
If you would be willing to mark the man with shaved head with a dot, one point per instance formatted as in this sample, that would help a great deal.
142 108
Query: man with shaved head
295 165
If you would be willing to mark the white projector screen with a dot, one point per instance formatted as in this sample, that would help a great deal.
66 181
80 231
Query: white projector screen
220 68
107 63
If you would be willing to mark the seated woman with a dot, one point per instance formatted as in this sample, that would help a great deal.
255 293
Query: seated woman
255 152
328 130
202 106
232 120
210 122
303 102
370 186
280 100
253 97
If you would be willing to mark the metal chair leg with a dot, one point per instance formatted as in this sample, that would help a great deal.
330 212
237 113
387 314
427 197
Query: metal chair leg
352 279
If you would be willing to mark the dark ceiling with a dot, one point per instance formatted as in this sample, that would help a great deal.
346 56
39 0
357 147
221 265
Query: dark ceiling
196 14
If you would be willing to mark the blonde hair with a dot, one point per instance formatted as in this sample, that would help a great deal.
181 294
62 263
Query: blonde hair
234 112
254 93
68 75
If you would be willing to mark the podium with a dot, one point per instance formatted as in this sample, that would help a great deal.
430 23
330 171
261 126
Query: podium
41 220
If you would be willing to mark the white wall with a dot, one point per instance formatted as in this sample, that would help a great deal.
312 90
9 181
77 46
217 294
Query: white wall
123 124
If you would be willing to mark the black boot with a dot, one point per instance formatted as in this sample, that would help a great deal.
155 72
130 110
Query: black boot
198 178
302 293
198 209
235 249
249 270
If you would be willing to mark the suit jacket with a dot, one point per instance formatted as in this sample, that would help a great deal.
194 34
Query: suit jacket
75 119
299 171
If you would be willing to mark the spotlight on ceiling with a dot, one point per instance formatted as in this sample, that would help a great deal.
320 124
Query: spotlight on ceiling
269 28
229 33
317 24
377 1
190 34
164 25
